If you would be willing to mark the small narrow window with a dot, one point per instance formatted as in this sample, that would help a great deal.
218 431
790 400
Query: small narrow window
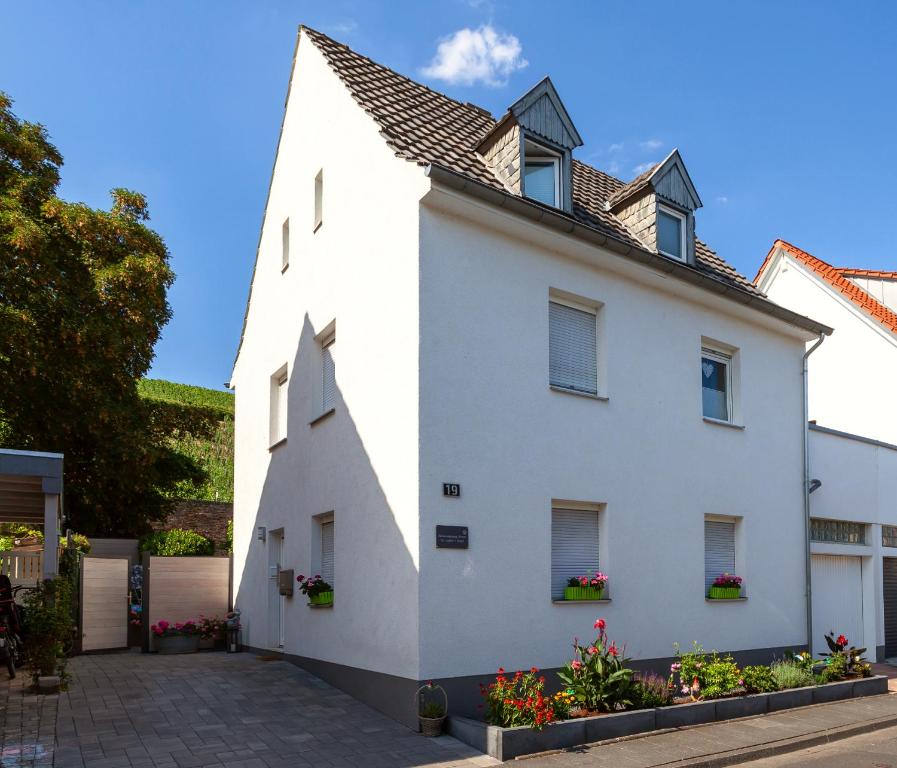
716 384
839 531
671 233
719 550
889 536
285 245
572 348
327 559
319 199
328 368
574 547
278 407
542 174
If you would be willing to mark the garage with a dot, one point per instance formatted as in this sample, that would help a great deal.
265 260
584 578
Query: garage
837 599
889 594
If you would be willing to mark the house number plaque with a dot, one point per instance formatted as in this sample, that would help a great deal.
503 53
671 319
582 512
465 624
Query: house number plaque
451 536
451 489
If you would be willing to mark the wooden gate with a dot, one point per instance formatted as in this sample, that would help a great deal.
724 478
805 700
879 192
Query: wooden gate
104 603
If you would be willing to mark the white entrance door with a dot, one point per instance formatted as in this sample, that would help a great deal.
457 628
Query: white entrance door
837 599
275 599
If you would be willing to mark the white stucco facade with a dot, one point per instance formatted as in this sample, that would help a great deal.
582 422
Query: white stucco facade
852 374
440 308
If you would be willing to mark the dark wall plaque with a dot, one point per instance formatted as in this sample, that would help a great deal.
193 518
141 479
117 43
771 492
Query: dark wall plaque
451 489
451 536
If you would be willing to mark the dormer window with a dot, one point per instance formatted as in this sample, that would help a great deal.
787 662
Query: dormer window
542 174
671 228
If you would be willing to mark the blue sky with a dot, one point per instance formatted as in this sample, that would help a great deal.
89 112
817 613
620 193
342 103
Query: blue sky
785 114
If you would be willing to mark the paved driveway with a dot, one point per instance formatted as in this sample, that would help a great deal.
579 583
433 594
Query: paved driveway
207 709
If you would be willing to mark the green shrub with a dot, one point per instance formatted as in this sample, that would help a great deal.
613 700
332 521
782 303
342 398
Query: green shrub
703 675
650 690
721 677
177 542
48 612
835 669
759 679
229 537
791 674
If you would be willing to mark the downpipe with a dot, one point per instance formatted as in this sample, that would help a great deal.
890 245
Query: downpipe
807 555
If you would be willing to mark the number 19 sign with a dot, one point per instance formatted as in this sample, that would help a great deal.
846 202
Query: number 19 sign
451 489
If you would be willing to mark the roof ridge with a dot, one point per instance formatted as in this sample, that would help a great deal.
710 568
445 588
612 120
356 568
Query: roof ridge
467 105
832 275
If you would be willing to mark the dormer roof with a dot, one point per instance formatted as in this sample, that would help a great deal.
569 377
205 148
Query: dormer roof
669 179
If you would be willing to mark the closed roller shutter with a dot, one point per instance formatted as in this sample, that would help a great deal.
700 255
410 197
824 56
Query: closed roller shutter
837 599
327 552
329 379
890 599
572 348
574 547
719 550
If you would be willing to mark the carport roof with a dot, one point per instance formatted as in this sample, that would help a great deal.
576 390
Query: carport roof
25 478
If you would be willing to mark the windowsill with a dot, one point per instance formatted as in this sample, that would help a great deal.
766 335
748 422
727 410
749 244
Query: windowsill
580 602
320 607
721 423
276 445
317 226
284 268
725 599
564 390
321 418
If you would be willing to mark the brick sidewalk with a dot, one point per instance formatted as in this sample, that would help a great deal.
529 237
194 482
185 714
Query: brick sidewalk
131 710
725 743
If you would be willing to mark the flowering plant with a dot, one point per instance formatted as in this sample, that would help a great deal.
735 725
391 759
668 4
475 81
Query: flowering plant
598 674
518 700
313 585
843 661
167 629
728 581
598 581
210 627
704 676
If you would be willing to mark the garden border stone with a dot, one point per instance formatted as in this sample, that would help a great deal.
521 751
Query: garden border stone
508 743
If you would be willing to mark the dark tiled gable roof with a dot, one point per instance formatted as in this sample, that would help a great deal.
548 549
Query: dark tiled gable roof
426 127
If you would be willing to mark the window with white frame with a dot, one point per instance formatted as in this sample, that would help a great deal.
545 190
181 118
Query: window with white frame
542 174
574 546
671 232
572 347
719 550
327 553
328 373
319 199
278 407
716 384
285 245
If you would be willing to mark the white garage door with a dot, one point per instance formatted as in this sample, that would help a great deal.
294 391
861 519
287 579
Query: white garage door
837 599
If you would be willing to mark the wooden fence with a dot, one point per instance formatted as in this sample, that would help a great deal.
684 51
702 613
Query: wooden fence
104 603
22 567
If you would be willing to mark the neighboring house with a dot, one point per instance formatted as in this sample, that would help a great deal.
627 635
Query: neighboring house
853 441
452 322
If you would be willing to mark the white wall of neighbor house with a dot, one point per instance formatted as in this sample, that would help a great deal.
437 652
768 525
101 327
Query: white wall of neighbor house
859 484
852 374
359 269
645 456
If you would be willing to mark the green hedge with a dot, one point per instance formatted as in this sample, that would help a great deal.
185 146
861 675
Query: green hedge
177 542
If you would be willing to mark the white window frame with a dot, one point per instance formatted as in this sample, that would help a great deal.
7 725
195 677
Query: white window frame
579 507
739 560
327 343
319 200
549 158
683 236
285 245
595 309
278 407
728 359
317 560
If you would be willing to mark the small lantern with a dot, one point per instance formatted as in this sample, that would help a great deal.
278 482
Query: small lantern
232 632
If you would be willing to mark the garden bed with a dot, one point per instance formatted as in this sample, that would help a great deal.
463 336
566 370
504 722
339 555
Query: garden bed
508 743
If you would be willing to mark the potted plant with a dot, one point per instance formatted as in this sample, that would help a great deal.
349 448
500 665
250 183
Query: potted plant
431 713
181 637
211 633
726 586
319 592
589 587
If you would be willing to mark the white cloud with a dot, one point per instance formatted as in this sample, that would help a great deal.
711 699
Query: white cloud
651 144
616 147
476 55
642 167
342 27
722 200
614 167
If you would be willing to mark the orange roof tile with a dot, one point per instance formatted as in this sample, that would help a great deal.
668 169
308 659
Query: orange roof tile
836 278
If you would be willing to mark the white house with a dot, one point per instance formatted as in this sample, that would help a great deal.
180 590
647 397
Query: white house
452 322
852 441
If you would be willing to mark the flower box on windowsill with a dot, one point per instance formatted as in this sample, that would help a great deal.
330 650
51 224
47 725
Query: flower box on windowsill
724 593
583 593
322 598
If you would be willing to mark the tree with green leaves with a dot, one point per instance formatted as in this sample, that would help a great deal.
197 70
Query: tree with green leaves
82 304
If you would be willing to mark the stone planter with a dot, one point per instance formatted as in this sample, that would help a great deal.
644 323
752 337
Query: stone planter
508 743
215 643
176 644
583 593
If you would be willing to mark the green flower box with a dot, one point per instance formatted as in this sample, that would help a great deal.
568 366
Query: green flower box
583 593
322 598
725 593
